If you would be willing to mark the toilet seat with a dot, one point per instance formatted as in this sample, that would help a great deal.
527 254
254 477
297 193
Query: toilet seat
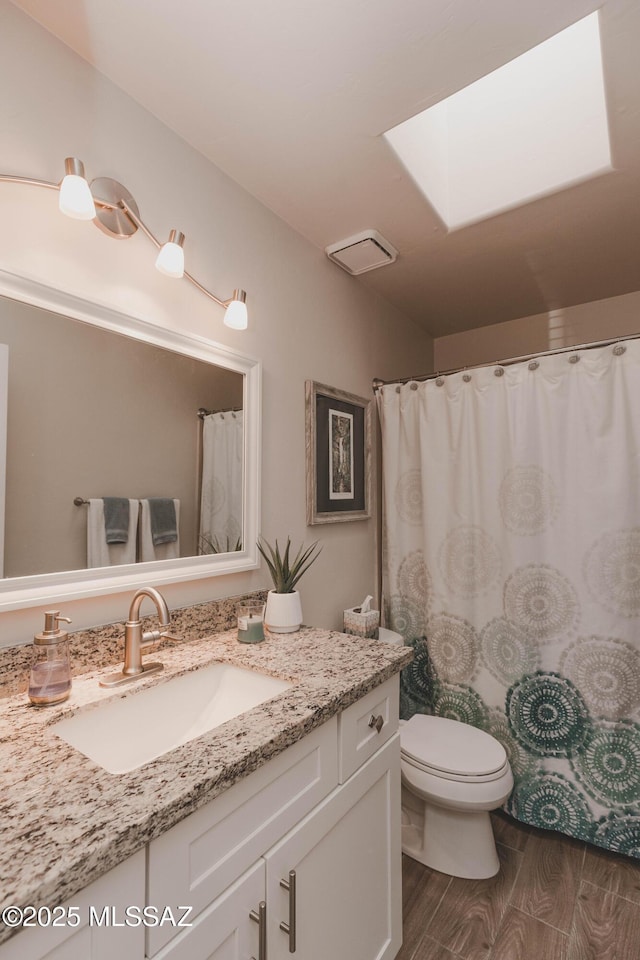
457 777
452 750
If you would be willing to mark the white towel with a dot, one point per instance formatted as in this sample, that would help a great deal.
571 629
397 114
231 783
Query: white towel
103 554
164 551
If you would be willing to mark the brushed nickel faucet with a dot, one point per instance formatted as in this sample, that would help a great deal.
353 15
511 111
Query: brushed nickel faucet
135 640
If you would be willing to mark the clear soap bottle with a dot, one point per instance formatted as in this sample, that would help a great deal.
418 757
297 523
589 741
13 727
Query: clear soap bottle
50 679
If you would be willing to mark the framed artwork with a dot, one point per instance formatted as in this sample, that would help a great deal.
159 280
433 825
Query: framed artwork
338 455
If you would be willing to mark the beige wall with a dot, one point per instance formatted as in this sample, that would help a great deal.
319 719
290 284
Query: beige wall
308 319
584 323
93 414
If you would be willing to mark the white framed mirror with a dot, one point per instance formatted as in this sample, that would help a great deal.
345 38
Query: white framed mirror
126 426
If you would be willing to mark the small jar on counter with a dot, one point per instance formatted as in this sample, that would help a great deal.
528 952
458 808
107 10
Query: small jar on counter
251 622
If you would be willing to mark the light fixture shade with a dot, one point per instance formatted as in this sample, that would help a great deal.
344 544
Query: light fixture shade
170 259
236 313
75 198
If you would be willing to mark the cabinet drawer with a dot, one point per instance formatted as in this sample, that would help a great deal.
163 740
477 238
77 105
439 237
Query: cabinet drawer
193 862
357 739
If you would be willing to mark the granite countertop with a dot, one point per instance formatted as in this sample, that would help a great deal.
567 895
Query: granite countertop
66 821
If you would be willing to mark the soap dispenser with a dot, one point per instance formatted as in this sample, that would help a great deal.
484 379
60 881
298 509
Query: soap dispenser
50 680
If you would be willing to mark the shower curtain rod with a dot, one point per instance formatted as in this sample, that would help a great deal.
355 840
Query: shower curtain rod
202 413
377 383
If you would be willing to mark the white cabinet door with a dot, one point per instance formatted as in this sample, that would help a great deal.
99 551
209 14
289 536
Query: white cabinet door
225 930
199 858
347 859
102 933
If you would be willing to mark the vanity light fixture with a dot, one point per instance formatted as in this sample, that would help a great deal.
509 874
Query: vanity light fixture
170 259
75 194
112 208
236 313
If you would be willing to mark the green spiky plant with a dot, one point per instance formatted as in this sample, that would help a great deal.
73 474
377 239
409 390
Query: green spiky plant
285 573
208 544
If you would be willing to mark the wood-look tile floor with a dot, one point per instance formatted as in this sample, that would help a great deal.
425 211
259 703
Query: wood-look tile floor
554 899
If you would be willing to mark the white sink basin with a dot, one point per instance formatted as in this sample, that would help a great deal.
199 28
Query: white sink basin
125 734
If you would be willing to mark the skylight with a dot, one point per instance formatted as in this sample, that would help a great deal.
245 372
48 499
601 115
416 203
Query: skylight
533 127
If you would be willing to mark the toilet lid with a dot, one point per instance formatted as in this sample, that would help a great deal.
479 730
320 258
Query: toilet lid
451 747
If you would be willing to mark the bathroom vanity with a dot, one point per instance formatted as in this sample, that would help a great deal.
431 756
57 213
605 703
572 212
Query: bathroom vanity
276 834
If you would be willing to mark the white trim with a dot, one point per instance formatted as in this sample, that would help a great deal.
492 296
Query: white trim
4 389
21 592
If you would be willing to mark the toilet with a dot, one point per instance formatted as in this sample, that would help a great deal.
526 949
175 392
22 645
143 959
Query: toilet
453 775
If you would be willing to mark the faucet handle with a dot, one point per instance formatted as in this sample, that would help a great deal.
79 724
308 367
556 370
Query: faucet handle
150 637
153 636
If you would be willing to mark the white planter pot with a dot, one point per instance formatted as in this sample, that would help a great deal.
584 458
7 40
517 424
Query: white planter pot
284 612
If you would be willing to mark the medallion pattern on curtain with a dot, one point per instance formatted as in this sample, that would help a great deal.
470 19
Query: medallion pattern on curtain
511 564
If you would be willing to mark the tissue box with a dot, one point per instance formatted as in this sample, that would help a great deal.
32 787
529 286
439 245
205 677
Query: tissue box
362 624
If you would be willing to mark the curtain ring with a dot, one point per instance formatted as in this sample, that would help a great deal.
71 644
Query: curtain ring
619 349
574 358
534 365
398 388
466 377
439 381
498 372
413 386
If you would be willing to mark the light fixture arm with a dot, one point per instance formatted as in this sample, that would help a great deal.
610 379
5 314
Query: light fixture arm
8 178
137 220
133 216
207 293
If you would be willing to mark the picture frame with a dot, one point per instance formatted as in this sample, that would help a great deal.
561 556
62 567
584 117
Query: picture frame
338 454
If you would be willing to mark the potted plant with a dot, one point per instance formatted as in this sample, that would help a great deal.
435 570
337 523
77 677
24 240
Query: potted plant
284 611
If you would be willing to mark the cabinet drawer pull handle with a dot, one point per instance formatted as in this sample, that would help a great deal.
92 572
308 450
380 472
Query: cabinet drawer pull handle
261 919
290 927
376 722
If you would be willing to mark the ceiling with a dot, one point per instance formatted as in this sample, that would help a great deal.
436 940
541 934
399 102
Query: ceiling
291 97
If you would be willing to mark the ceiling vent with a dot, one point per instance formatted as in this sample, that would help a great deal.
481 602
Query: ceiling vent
366 251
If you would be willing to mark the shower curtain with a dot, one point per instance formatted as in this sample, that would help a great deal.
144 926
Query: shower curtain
221 498
511 563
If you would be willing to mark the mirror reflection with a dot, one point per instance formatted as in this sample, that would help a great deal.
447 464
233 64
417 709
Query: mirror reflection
93 414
